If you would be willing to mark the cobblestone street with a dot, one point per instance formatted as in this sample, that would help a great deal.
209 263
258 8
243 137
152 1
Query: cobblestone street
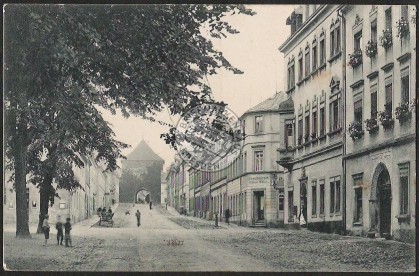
201 247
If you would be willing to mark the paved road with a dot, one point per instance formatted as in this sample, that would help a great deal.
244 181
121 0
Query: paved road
146 248
126 247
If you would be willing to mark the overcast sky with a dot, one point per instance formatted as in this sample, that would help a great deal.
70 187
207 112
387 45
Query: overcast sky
254 51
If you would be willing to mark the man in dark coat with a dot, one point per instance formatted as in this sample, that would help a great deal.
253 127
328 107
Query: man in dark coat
138 215
227 215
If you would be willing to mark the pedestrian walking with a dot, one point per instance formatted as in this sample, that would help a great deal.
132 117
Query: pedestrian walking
59 226
67 227
109 210
151 203
45 228
227 215
138 215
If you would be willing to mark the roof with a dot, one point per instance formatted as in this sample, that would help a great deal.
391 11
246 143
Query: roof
286 106
143 152
270 104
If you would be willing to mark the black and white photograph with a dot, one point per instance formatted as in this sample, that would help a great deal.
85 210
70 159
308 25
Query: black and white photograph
167 137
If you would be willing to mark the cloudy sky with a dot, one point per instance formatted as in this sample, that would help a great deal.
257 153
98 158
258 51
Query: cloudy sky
254 51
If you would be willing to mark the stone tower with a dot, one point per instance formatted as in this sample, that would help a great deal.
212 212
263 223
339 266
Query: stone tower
141 171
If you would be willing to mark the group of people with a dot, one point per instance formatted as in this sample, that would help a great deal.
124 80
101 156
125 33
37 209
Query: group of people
60 227
103 211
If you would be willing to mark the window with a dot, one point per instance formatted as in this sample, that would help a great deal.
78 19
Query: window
322 51
358 111
388 18
258 124
314 53
334 115
289 135
290 206
337 35
404 188
332 197
405 12
281 203
357 180
245 162
291 74
322 122
374 101
307 61
357 41
389 95
314 198
300 131
332 41
374 31
258 164
405 85
300 66
321 186
314 123
307 125
335 195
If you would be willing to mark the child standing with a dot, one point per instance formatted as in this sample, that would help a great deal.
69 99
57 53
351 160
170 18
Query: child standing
67 227
45 227
59 227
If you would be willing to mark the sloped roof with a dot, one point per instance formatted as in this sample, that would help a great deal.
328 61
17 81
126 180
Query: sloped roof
270 104
287 105
143 152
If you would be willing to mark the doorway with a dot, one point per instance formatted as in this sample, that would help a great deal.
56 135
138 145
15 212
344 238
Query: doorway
259 205
384 201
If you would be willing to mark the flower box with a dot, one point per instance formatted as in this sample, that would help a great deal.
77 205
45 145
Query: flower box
355 59
386 39
402 27
355 130
371 49
386 119
371 125
403 113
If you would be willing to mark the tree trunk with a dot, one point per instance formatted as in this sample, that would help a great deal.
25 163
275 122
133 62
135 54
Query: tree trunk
43 205
22 210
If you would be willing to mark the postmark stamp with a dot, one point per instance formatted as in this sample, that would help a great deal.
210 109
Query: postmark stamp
209 137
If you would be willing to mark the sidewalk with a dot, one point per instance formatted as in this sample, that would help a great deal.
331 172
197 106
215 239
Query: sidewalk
173 212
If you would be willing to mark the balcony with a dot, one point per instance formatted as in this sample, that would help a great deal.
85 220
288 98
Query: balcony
286 158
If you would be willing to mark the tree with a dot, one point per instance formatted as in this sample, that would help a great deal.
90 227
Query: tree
138 59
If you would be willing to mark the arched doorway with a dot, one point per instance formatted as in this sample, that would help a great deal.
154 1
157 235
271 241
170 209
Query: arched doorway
142 196
380 209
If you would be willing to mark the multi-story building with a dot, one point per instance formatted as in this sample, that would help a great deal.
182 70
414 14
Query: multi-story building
311 150
248 184
80 204
380 145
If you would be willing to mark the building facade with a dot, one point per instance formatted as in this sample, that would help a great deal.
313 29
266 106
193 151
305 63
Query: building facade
311 152
141 172
98 191
380 145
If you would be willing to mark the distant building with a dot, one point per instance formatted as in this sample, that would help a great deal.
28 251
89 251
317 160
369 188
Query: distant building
141 171
99 190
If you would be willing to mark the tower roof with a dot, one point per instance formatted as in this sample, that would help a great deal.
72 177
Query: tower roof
143 152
